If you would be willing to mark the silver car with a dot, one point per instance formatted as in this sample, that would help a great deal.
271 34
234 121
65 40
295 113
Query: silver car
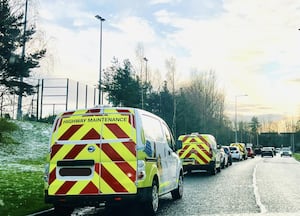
286 151
235 153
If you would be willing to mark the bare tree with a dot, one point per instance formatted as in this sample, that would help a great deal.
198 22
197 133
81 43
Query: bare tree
171 70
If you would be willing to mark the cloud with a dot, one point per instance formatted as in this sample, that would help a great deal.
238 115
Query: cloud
154 2
164 16
252 45
135 28
240 43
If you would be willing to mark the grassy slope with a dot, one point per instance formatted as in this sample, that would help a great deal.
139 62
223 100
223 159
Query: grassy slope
297 156
22 170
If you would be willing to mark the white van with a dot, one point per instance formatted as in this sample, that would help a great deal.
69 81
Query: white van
108 155
200 152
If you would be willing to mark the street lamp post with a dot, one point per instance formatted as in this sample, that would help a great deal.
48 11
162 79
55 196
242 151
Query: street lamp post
235 115
19 109
100 98
146 61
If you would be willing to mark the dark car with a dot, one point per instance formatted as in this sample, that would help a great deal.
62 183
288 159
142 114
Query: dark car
267 151
227 151
257 151
250 152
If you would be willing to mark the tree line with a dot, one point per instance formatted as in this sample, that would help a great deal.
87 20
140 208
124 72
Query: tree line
197 106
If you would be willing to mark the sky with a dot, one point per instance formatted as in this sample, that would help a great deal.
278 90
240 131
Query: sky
253 46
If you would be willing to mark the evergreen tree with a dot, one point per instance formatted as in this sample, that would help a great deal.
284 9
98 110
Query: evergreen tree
13 64
120 84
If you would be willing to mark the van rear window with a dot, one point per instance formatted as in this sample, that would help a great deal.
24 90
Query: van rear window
152 128
75 171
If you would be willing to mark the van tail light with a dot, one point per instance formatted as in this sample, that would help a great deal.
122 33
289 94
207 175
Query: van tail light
141 170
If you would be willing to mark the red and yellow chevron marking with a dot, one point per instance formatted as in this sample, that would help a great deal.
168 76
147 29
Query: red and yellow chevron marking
112 134
197 148
240 146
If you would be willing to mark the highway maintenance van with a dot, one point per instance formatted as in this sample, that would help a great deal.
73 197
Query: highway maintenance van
109 155
242 148
200 152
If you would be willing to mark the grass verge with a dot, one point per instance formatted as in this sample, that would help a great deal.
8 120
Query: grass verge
21 192
297 156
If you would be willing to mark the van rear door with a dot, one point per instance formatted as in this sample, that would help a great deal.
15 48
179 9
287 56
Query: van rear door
196 150
93 152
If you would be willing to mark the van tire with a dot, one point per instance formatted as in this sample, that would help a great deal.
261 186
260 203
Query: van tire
153 199
213 169
178 192
63 210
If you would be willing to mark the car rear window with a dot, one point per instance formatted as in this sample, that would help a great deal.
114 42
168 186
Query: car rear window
267 149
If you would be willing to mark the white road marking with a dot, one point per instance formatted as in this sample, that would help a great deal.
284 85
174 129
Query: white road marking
256 193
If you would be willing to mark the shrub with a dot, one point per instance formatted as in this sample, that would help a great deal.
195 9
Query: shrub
6 127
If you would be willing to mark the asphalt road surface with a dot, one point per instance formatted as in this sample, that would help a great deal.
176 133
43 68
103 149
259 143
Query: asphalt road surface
259 186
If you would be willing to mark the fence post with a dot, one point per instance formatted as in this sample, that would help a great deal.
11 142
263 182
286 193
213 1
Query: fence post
67 94
42 95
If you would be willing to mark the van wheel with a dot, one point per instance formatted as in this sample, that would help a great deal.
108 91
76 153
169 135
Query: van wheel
178 192
153 199
63 210
213 170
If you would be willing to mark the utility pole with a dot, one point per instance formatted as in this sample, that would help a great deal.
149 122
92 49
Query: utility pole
19 111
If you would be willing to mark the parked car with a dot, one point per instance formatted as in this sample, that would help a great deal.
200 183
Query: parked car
235 153
286 151
228 152
257 151
267 151
224 158
277 150
250 152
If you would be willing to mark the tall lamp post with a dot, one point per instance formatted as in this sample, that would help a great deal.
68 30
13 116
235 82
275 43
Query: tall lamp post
235 115
100 98
146 61
19 109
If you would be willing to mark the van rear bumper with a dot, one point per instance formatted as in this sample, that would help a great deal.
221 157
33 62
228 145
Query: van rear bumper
207 167
96 200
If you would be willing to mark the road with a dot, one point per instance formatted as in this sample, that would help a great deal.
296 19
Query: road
259 186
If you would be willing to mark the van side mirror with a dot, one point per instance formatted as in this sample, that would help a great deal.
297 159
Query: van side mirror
218 146
179 144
